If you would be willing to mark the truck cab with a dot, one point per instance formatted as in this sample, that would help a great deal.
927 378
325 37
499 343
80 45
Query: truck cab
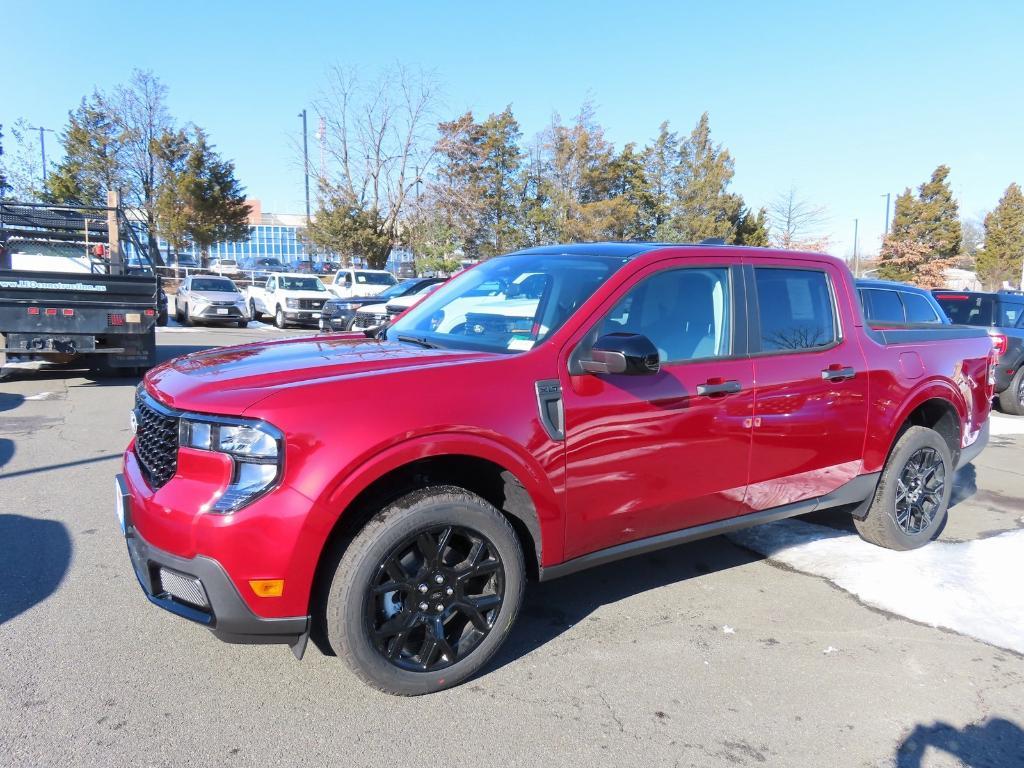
354 282
290 298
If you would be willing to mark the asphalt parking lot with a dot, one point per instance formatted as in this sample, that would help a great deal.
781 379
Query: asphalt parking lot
705 655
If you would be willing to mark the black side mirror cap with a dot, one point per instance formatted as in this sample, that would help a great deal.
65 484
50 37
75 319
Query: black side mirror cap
632 354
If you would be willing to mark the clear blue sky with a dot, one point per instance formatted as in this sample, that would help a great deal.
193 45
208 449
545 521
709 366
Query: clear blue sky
846 101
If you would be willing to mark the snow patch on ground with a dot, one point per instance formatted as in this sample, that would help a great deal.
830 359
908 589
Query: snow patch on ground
1001 424
974 587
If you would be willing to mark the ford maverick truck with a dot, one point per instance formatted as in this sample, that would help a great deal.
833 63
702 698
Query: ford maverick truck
546 411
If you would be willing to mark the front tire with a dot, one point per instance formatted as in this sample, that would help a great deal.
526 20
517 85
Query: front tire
252 310
1011 399
279 319
187 318
426 592
912 498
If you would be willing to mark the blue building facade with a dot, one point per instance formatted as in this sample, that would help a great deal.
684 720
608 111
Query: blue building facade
271 235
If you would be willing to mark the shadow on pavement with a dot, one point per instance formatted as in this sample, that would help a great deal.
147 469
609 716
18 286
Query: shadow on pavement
34 558
6 451
8 401
995 743
550 608
965 485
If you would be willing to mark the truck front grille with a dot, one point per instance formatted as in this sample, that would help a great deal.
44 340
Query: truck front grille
156 443
311 303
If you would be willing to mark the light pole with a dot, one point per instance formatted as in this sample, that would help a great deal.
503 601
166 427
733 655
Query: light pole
42 145
887 196
856 256
305 160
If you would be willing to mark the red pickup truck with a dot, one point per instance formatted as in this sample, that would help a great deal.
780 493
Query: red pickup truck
546 411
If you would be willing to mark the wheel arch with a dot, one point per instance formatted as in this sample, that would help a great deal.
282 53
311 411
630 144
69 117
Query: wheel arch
482 466
937 406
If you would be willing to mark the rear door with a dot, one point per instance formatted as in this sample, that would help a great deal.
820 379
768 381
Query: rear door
648 454
811 396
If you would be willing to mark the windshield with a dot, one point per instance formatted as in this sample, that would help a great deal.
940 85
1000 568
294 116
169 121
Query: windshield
507 304
375 278
965 309
301 284
208 284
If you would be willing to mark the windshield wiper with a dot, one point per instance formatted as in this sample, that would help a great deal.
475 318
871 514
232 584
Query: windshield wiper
418 341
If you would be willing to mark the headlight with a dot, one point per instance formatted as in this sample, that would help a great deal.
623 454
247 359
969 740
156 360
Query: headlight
291 303
255 449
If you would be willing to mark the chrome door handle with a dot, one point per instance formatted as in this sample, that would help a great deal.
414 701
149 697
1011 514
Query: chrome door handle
838 374
730 387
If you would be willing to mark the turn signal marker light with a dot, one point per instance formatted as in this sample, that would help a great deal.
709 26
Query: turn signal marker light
267 587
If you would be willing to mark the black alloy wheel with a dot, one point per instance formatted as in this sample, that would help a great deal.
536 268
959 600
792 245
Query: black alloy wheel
434 598
425 593
920 491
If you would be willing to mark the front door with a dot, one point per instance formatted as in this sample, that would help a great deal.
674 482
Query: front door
649 454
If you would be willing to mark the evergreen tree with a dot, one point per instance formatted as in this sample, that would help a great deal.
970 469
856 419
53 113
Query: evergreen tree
93 161
201 199
925 236
752 229
931 218
662 165
1002 258
703 208
500 171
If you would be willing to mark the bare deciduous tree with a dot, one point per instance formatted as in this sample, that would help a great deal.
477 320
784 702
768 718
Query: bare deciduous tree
378 151
796 223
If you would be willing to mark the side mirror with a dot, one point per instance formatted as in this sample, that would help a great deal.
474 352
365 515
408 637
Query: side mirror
629 353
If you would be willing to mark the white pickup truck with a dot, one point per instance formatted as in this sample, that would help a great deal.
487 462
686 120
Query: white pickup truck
350 283
288 298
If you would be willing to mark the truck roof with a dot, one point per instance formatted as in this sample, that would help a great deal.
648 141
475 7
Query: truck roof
633 249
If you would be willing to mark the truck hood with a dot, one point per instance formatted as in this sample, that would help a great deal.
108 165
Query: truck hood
228 380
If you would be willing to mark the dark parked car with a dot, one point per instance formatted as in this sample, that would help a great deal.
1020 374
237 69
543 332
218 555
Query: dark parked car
340 314
884 302
266 266
1003 314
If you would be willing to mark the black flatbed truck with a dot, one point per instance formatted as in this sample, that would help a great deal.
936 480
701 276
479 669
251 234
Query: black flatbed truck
67 292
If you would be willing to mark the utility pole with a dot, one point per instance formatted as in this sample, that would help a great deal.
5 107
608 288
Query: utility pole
305 160
856 256
42 146
887 196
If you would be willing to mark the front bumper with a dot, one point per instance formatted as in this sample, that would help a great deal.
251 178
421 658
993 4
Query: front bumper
225 613
227 313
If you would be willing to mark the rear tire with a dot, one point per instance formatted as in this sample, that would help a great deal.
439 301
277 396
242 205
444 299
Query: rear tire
456 597
1011 399
912 498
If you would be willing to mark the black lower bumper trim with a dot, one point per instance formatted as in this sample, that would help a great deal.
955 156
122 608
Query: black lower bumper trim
228 617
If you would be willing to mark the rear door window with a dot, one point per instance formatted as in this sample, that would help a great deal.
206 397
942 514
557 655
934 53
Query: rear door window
882 305
796 309
919 309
